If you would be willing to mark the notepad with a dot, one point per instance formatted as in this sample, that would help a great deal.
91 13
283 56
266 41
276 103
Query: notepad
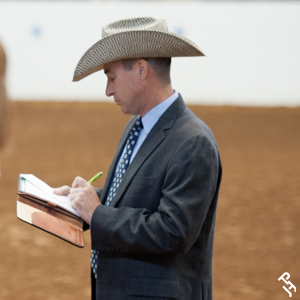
37 205
34 186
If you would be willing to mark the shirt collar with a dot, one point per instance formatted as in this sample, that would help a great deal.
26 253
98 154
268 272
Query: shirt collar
153 115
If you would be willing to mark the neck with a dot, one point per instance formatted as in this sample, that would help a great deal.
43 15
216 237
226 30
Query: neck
155 97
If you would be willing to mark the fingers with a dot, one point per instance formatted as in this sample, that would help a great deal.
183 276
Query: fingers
79 182
78 191
64 190
76 194
84 199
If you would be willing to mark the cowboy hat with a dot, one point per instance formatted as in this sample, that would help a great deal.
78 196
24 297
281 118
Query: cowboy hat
134 38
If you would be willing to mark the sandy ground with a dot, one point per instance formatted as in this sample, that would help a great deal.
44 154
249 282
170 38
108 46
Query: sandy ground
257 230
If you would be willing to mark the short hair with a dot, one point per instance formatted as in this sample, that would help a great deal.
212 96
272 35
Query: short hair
161 66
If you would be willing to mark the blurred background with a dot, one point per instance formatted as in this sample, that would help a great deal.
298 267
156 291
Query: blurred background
246 88
252 48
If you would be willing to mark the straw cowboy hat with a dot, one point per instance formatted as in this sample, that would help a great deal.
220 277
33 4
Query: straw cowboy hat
134 38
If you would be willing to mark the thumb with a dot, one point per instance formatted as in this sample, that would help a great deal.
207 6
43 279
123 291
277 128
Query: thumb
64 190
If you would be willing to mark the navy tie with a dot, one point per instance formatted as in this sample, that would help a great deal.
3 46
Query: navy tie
124 163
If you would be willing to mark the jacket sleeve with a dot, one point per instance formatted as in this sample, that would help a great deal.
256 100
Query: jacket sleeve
190 183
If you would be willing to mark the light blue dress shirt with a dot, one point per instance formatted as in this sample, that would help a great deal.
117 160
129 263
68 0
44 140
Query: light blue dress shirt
149 120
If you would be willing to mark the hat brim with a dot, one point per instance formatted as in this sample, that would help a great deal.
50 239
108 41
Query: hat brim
134 44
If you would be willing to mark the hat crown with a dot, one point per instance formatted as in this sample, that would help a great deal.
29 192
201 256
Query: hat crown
138 37
135 24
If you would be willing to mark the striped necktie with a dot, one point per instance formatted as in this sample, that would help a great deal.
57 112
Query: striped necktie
124 163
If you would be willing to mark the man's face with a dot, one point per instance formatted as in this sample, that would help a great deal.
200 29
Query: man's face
124 86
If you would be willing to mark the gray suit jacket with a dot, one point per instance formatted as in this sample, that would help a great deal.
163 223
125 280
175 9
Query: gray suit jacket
156 238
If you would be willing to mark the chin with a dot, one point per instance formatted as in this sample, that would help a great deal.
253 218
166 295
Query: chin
124 110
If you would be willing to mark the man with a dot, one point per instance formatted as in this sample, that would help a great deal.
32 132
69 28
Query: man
152 230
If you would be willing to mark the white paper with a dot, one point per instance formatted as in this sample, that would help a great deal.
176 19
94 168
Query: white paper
36 187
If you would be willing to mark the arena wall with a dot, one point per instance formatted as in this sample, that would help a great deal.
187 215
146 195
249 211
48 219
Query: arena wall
252 49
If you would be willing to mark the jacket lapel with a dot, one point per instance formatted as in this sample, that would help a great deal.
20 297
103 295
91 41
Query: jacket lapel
154 138
120 147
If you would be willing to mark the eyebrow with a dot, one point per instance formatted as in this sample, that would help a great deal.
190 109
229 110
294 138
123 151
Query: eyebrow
106 71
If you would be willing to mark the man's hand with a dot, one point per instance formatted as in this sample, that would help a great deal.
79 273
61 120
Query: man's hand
83 197
62 191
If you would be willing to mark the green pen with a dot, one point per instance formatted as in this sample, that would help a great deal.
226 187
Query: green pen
95 177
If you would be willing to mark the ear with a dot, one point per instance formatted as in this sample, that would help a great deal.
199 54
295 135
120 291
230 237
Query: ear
143 69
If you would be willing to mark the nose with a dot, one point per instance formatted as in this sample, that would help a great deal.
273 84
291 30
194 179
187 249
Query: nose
109 89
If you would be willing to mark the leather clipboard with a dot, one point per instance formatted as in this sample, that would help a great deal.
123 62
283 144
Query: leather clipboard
50 218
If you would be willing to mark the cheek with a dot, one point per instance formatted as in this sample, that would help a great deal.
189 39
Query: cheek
125 90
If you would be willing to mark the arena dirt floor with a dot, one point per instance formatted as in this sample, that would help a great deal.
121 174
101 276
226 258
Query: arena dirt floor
257 230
